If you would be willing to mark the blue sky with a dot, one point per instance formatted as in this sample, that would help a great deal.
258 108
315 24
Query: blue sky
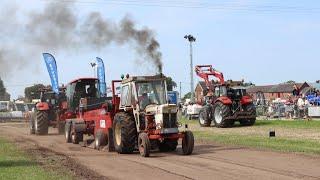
264 47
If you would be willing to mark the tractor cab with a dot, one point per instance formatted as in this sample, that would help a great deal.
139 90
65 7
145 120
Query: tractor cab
52 98
84 92
146 97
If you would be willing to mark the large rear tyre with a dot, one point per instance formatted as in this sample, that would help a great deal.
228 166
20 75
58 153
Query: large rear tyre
124 133
144 145
221 112
204 117
31 124
100 140
168 145
187 143
41 123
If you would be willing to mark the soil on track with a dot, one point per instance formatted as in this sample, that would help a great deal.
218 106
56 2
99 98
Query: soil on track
207 162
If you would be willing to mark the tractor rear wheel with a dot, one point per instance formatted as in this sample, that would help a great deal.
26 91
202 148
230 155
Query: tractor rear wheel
41 123
100 139
124 133
31 123
204 117
188 143
144 145
168 145
221 112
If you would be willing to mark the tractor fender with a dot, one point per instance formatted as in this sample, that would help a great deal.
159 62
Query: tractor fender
246 100
224 100
42 106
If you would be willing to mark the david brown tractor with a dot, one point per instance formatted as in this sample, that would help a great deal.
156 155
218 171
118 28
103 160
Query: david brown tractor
141 118
146 119
224 102
48 112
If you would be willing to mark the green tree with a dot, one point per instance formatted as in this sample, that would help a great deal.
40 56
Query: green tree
170 84
33 92
2 89
290 82
187 96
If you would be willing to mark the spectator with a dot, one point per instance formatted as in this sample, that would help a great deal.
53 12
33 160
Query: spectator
296 91
306 106
300 107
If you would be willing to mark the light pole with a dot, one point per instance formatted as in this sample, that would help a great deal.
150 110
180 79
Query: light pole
191 39
93 65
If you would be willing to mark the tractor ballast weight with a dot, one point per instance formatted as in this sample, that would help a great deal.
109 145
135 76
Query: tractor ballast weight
225 102
48 112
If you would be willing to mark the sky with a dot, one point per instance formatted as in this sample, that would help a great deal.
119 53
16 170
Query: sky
264 42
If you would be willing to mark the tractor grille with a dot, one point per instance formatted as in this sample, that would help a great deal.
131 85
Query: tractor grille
170 120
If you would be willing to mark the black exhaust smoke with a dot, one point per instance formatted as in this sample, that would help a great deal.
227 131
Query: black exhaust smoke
58 29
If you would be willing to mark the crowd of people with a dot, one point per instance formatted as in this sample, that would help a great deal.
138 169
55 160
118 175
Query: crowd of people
296 106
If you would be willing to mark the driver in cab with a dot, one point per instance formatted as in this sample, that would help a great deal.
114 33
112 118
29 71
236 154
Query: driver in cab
144 100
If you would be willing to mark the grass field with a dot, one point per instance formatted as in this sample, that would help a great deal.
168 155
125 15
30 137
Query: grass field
291 135
16 164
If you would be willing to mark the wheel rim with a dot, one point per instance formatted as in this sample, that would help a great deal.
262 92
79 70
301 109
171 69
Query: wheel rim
201 119
218 115
97 143
36 125
141 147
118 133
73 138
66 134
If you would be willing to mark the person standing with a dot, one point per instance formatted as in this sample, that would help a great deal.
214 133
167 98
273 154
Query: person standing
295 93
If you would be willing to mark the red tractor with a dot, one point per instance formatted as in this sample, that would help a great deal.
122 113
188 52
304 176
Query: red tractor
224 102
88 112
141 118
48 112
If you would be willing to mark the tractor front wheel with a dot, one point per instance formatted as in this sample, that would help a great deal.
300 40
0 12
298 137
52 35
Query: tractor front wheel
221 112
250 108
76 137
61 127
124 133
204 117
100 140
41 123
144 145
67 130
188 143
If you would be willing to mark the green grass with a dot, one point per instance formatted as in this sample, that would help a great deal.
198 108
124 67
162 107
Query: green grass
278 144
300 124
16 164
284 144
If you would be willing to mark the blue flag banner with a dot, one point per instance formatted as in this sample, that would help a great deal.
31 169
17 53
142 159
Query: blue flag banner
52 70
101 76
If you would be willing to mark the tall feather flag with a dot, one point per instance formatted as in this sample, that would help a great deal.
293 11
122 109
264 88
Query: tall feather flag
52 70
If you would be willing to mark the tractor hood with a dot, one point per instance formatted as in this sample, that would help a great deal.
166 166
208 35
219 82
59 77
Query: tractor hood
160 109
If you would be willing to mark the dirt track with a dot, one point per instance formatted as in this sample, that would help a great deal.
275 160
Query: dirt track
207 162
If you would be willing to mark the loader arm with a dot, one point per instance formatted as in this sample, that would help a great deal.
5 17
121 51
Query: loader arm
204 71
